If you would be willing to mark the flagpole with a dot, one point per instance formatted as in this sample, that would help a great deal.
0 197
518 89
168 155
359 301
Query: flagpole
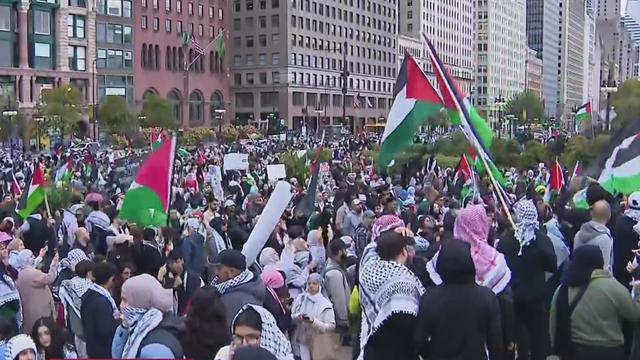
205 49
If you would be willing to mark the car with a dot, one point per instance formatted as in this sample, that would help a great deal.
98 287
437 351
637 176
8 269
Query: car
81 147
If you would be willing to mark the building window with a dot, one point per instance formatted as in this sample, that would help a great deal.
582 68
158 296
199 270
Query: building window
212 32
200 30
115 34
237 79
127 36
262 39
275 4
77 3
5 18
249 78
249 5
262 59
156 24
6 53
237 24
211 12
143 3
179 27
196 107
275 77
275 21
42 56
167 5
179 7
75 26
77 58
262 21
275 58
249 41
220 14
167 25
190 8
237 59
275 39
144 21
155 4
200 10
263 78
249 59
42 22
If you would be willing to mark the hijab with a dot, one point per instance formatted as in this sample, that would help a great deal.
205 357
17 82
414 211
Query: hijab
316 248
271 338
310 304
269 258
273 280
472 226
25 260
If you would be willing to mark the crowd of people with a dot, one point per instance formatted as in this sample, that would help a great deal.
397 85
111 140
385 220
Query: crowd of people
400 267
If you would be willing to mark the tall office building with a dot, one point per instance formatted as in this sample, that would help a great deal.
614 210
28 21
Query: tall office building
572 55
161 55
289 56
543 24
501 52
449 26
44 44
115 51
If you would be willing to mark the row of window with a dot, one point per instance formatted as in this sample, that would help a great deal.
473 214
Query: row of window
114 33
262 22
334 46
175 59
319 62
114 7
168 27
190 8
76 26
262 59
298 99
329 81
368 5
114 59
383 26
262 78
196 105
249 5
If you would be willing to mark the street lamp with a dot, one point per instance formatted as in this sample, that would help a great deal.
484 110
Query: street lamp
38 121
94 69
220 116
10 114
499 103
609 86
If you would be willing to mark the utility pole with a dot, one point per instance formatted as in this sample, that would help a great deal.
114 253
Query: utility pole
345 78
609 86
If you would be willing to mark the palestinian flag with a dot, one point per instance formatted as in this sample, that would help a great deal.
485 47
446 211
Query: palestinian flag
584 112
65 172
621 173
415 100
34 193
146 203
15 186
155 138
556 182
465 116
463 170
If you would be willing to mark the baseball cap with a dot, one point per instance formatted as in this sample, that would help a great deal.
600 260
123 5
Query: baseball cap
231 258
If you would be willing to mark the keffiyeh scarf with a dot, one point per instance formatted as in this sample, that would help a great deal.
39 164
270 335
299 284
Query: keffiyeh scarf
139 322
71 292
242 278
632 214
385 223
73 258
271 338
525 231
9 293
386 288
102 291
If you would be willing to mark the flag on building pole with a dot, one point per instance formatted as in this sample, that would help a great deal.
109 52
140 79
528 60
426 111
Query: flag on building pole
33 194
146 203
415 100
220 45
584 112
465 116
195 45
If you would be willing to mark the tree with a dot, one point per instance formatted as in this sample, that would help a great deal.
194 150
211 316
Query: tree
62 108
625 101
527 107
115 115
157 112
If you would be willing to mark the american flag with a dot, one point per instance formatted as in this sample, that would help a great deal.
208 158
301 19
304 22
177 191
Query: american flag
357 102
195 45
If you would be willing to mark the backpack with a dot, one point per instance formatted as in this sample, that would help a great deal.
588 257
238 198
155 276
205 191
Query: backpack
169 334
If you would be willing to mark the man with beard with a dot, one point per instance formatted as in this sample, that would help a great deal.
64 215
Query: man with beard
337 284
353 218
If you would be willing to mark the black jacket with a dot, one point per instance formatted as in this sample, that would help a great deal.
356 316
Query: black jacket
392 340
148 259
283 318
528 270
625 239
450 326
190 283
98 324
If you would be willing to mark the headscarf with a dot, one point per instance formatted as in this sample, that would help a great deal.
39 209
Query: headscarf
147 300
73 258
25 260
385 223
273 280
271 338
527 223
269 258
9 293
18 344
312 304
472 226
316 248
584 261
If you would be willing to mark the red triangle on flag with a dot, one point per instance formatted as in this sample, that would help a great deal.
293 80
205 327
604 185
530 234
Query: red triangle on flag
418 86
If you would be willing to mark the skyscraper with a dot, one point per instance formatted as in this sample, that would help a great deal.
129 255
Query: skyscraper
290 58
543 26
502 50
572 55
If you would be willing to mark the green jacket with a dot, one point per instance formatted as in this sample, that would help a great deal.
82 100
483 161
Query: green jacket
596 320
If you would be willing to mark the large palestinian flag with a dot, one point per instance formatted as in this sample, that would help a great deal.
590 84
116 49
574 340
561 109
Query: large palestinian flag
34 194
621 173
146 203
584 112
415 100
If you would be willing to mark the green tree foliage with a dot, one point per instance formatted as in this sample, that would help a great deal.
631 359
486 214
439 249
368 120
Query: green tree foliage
535 152
625 101
115 115
62 108
583 149
505 152
157 112
527 107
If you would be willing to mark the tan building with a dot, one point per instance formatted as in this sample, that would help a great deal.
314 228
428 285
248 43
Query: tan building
288 58
534 73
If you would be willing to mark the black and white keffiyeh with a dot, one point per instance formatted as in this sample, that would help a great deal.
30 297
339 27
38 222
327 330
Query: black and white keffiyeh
104 292
527 222
71 292
271 338
242 278
386 288
73 258
139 323
9 293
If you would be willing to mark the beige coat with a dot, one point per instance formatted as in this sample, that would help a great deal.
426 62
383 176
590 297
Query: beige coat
35 293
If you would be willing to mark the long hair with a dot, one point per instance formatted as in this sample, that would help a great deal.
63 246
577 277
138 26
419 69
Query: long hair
206 325
58 338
